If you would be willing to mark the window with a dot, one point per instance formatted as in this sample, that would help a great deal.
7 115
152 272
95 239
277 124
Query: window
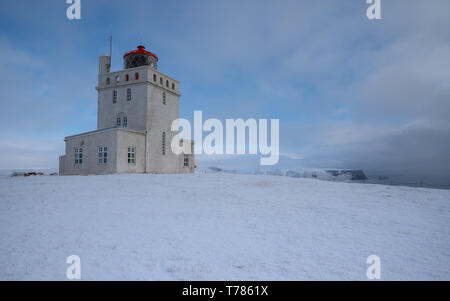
163 143
103 154
161 80
127 77
164 98
131 155
125 121
136 76
173 86
108 81
167 83
117 79
186 160
128 94
114 96
78 155
118 121
154 77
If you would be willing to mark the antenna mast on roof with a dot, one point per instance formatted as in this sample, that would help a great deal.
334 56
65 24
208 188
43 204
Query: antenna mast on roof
110 50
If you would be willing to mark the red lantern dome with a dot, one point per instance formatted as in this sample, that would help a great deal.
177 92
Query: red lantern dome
140 57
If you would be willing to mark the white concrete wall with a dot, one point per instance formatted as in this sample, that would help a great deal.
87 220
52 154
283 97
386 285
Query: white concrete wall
159 119
191 160
62 164
104 64
135 109
117 140
141 89
127 139
90 142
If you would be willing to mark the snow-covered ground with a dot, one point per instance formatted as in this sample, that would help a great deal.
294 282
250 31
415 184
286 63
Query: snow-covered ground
219 227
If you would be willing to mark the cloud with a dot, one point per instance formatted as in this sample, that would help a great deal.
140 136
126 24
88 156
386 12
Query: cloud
349 92
414 149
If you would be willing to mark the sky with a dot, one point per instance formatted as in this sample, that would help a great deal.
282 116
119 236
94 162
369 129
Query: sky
349 92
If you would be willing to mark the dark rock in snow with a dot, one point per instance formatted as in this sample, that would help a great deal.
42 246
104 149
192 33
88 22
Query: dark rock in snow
293 174
355 175
26 174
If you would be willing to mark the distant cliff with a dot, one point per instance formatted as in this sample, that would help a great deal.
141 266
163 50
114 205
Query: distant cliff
355 175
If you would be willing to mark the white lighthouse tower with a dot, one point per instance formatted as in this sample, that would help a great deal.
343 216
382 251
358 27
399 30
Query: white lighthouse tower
136 108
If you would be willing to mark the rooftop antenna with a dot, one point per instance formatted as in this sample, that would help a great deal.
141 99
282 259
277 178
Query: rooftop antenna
110 50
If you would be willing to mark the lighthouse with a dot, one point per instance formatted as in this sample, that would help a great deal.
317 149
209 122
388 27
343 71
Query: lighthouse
136 108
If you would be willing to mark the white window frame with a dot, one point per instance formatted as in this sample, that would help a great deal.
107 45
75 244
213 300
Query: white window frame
118 121
131 155
125 121
102 154
78 155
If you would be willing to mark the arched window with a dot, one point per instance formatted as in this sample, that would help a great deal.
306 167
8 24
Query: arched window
164 98
163 146
136 76
154 77
167 83
108 81
117 79
127 77
161 80
173 86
